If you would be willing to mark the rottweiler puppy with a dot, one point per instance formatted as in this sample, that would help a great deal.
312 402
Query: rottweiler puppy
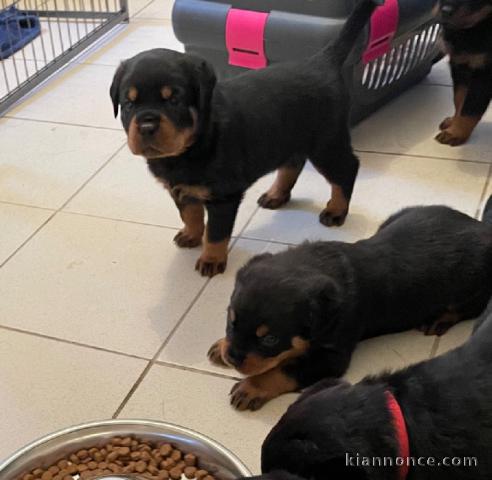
296 317
436 416
467 27
208 142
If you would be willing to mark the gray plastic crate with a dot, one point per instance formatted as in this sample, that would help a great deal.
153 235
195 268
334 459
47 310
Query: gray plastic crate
396 50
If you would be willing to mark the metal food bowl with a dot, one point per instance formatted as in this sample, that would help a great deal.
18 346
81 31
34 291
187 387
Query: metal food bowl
212 456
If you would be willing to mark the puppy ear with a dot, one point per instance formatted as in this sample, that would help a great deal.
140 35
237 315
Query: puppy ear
114 91
322 385
324 302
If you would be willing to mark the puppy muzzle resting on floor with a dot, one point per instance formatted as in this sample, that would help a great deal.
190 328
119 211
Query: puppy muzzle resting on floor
296 317
436 416
209 141
467 27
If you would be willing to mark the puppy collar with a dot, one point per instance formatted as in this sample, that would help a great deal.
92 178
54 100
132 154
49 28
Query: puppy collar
401 434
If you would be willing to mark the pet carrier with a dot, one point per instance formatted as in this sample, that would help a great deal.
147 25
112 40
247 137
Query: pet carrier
396 51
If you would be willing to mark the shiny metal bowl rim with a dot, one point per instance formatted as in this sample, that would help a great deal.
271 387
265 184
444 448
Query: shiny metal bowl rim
186 432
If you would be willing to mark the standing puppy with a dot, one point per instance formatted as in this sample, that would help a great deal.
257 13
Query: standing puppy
467 28
296 317
208 142
436 416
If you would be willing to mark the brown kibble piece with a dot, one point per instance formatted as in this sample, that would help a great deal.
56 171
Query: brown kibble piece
102 465
141 466
37 472
62 464
136 455
73 458
168 464
153 470
116 441
72 469
163 475
82 454
124 451
92 465
28 476
176 455
68 477
181 465
47 476
86 474
82 468
98 457
208 477
114 468
166 450
200 474
175 473
112 456
145 456
190 459
190 472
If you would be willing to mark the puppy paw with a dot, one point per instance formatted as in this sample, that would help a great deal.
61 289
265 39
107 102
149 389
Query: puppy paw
329 218
215 353
273 202
185 240
446 123
246 396
451 138
210 267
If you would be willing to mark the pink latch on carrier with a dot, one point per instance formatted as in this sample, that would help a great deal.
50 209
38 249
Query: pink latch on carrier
384 24
245 38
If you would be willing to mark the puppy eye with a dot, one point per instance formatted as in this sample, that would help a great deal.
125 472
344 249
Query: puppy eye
128 105
269 340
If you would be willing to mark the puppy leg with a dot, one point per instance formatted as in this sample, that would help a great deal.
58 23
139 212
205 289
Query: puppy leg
221 217
475 103
279 192
460 79
442 324
341 173
193 215
253 392
216 353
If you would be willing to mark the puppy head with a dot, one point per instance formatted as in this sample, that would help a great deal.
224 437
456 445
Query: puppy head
319 431
462 14
275 314
164 98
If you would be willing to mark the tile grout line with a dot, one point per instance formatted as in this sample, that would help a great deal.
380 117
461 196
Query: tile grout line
177 366
484 193
26 205
154 360
54 122
71 342
414 155
58 210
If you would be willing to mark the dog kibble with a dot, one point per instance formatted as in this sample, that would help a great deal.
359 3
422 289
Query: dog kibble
190 472
124 455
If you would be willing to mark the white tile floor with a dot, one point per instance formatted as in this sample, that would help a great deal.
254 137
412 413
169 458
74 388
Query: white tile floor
97 302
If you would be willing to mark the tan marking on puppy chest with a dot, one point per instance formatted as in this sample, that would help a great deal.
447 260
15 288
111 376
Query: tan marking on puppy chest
166 92
473 61
132 94
262 330
255 364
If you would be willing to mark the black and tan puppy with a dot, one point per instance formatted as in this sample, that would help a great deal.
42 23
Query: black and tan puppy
432 420
296 317
208 142
467 26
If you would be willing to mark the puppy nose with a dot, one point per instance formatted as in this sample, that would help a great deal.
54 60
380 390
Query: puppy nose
148 128
447 10
235 357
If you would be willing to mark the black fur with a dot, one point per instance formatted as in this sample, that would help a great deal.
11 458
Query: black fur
250 125
445 402
423 263
467 40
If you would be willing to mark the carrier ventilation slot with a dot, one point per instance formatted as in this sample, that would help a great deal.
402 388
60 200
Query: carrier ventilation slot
401 59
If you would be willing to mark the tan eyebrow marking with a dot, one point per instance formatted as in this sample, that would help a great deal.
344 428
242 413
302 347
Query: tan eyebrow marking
166 92
132 94
262 330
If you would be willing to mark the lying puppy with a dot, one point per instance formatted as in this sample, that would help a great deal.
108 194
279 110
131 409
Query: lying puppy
438 409
208 143
296 317
467 28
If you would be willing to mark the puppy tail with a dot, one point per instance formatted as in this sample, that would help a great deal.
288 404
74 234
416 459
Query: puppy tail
487 212
352 28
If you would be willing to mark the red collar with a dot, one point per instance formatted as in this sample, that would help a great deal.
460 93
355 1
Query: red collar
401 434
